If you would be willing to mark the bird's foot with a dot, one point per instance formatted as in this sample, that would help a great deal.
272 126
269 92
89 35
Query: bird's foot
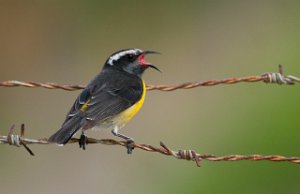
129 146
82 141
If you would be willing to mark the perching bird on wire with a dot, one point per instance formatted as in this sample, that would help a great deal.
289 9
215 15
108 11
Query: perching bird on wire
110 100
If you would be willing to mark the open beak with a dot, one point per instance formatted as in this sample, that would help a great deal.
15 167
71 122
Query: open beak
143 62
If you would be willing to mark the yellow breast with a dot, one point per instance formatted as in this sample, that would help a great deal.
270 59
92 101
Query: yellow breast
126 115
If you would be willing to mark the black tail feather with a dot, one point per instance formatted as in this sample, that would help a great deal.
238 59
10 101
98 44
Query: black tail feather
65 133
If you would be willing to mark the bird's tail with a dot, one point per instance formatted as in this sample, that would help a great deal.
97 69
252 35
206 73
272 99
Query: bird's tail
68 129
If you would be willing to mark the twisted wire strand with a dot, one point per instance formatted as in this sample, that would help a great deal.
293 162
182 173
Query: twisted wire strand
189 155
271 77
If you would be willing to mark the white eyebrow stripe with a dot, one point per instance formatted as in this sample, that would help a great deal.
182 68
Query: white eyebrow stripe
117 56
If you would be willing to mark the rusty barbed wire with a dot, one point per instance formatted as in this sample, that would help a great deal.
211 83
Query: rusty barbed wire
271 77
189 155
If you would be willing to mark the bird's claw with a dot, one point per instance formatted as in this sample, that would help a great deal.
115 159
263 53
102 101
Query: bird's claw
82 141
129 146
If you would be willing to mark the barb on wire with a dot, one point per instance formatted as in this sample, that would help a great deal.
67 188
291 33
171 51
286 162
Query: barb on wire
17 140
188 155
272 77
277 78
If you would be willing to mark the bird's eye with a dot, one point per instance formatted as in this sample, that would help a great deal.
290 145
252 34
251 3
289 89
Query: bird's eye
130 57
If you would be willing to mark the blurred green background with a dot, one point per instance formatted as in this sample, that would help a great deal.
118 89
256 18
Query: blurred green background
68 42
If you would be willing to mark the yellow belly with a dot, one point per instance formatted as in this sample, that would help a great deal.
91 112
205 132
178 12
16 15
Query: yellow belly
121 119
127 115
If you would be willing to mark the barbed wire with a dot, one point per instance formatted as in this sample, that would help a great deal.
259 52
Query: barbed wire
189 155
271 77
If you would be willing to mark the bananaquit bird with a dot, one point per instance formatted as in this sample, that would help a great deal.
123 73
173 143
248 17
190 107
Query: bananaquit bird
110 100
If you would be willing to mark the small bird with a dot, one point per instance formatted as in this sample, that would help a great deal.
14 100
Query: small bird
110 100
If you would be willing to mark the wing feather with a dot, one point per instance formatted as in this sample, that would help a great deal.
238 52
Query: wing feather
107 95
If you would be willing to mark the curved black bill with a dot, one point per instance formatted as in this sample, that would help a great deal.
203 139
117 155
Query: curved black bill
150 65
151 52
154 67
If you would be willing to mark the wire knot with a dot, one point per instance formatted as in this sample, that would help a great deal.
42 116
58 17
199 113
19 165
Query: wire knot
18 140
13 139
189 155
279 78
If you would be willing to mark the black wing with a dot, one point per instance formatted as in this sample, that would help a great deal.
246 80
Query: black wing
107 95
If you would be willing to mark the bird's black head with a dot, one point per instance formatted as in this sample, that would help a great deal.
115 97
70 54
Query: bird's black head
130 60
